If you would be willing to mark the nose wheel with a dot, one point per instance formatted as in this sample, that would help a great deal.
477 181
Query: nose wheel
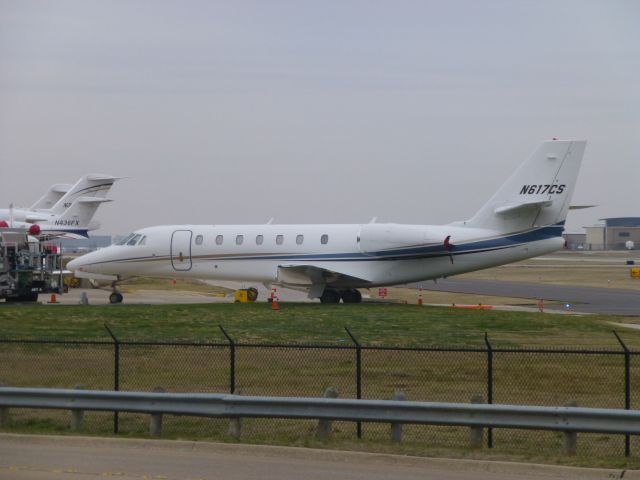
116 296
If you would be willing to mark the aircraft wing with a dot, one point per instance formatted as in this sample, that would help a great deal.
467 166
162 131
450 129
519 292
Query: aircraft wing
315 278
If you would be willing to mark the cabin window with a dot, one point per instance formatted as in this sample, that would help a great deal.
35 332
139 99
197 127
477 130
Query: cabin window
134 240
324 239
259 240
219 240
300 239
199 239
143 241
239 239
279 239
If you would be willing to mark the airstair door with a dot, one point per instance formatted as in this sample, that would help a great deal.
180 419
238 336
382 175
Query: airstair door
181 250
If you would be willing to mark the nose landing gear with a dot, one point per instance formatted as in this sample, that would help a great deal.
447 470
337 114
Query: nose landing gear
116 296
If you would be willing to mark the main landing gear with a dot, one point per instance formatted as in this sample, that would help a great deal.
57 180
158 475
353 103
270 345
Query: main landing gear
116 296
350 295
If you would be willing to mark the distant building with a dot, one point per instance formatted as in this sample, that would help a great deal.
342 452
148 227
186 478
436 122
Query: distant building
95 242
575 241
613 234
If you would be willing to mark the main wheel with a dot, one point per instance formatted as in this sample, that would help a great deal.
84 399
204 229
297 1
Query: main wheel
115 297
351 296
330 296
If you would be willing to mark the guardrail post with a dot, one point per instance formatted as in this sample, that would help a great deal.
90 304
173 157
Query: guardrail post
396 427
324 426
155 422
235 423
358 374
116 373
76 414
5 412
489 384
476 433
232 361
571 438
627 389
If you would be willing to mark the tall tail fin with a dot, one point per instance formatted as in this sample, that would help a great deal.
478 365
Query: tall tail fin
94 185
49 199
80 213
538 193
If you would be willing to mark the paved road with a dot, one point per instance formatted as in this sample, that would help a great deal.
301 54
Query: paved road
584 299
76 458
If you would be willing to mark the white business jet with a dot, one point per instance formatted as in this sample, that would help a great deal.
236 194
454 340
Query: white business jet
64 209
525 218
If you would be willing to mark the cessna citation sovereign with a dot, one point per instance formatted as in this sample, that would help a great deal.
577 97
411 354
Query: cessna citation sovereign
523 219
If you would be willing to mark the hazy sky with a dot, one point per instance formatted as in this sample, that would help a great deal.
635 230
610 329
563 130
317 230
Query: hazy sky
315 111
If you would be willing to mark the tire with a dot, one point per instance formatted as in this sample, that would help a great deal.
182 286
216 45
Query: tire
330 296
116 297
252 294
351 296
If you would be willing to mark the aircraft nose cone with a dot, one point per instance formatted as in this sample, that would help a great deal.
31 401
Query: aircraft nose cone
74 264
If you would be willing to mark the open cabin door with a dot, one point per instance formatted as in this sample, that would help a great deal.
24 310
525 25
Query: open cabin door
181 250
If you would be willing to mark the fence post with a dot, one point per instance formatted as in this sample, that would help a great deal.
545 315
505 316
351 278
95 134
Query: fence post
232 360
358 375
155 422
571 438
76 414
475 433
489 384
5 413
116 373
396 427
235 423
627 389
324 426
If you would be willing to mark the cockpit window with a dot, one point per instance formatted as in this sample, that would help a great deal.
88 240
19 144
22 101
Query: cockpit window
134 240
126 239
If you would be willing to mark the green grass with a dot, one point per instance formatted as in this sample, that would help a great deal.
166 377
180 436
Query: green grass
372 324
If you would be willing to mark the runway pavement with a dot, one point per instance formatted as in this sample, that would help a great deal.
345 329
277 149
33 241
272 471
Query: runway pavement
583 299
31 457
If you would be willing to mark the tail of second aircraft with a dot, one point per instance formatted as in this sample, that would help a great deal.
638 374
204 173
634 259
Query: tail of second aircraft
49 199
538 193
76 220
94 186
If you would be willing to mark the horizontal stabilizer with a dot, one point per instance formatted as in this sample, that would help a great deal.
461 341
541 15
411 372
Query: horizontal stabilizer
523 206
581 207
35 218
93 200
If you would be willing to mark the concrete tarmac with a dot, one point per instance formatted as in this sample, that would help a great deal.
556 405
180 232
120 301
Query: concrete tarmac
31 457
613 301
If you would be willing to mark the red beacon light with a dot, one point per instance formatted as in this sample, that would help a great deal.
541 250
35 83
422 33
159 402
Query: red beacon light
4 224
34 230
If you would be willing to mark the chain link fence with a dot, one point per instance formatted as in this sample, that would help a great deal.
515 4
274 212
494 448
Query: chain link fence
606 378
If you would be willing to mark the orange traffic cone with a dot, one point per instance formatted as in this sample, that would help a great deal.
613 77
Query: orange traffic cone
274 303
53 299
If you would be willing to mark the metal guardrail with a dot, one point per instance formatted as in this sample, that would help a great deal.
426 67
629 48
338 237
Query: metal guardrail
566 419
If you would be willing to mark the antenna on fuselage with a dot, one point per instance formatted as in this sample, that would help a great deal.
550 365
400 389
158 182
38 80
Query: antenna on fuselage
373 220
270 221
